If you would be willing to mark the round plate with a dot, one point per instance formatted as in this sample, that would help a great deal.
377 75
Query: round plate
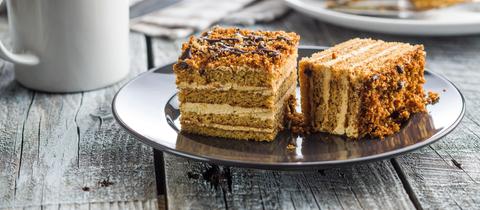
148 108
451 21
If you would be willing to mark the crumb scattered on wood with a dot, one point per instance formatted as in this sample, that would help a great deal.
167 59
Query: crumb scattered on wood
105 183
291 146
322 172
296 121
192 175
432 97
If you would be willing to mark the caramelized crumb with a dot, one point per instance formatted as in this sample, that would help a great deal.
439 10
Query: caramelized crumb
404 115
432 97
334 55
291 147
296 121
105 183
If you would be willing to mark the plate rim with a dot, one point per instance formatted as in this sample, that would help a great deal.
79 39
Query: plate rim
339 18
288 165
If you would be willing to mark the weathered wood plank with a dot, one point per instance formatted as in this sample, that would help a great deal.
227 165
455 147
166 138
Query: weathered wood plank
202 186
197 185
66 148
11 121
14 102
117 205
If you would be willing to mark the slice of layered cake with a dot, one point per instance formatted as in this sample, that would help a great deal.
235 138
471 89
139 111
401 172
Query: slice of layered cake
394 5
432 4
362 87
234 83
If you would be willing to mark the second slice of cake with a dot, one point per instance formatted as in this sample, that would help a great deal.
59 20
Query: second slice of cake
362 87
233 83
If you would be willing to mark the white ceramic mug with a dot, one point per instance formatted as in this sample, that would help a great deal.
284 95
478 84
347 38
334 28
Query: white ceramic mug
68 45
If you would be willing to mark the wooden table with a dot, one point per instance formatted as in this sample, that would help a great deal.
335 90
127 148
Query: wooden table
65 151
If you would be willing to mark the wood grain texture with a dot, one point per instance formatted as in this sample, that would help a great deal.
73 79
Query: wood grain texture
195 185
62 149
117 205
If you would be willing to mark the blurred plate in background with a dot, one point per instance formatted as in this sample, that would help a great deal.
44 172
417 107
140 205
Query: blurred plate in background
444 22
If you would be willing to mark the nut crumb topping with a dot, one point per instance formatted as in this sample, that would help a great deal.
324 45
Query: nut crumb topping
334 55
237 47
432 97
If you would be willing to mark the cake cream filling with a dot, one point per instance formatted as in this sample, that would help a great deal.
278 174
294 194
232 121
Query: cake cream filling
290 66
328 52
312 106
381 54
352 125
223 87
342 114
226 109
326 94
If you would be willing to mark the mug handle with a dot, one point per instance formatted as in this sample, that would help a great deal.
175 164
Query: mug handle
21 59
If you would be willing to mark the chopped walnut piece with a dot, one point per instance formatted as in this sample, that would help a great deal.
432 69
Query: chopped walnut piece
432 97
291 147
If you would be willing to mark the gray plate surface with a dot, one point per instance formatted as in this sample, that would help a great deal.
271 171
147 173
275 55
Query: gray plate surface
147 107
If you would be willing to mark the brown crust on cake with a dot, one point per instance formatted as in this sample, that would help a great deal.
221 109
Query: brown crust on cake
392 94
237 47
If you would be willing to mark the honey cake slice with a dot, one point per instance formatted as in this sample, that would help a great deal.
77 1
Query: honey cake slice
233 83
415 5
362 87
433 4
